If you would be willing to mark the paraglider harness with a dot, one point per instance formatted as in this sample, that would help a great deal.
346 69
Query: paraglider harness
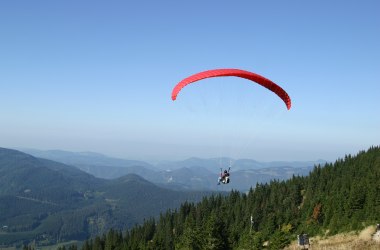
225 177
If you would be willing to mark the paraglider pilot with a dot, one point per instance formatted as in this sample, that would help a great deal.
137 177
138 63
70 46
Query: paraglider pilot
224 177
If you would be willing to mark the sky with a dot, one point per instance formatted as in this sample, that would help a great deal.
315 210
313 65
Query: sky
97 76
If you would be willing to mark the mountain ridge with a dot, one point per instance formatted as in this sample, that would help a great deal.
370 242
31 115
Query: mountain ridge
193 173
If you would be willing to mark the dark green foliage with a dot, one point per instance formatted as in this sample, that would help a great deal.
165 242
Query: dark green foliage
337 197
216 234
30 248
258 241
278 240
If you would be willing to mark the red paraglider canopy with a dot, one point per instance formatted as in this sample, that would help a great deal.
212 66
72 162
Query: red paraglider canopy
238 73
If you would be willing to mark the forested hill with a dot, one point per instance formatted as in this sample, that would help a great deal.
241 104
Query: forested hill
337 197
46 202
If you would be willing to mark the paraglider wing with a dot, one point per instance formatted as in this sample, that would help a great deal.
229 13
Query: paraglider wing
237 73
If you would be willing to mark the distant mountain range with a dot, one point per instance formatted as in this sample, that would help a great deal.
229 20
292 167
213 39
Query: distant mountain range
190 174
50 201
84 158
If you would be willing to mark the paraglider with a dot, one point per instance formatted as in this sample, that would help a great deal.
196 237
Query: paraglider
280 92
237 73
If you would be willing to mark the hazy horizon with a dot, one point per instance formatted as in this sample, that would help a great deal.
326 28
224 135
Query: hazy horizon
154 161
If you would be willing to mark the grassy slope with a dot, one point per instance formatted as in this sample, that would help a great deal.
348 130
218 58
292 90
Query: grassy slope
365 239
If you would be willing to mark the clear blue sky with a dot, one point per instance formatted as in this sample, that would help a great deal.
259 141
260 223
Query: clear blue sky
98 75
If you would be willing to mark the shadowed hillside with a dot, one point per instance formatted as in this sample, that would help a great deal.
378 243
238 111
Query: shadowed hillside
53 202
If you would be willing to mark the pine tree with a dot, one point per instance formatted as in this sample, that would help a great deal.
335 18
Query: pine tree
216 234
279 240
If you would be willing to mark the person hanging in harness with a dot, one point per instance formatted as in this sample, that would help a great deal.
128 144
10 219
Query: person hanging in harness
224 177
